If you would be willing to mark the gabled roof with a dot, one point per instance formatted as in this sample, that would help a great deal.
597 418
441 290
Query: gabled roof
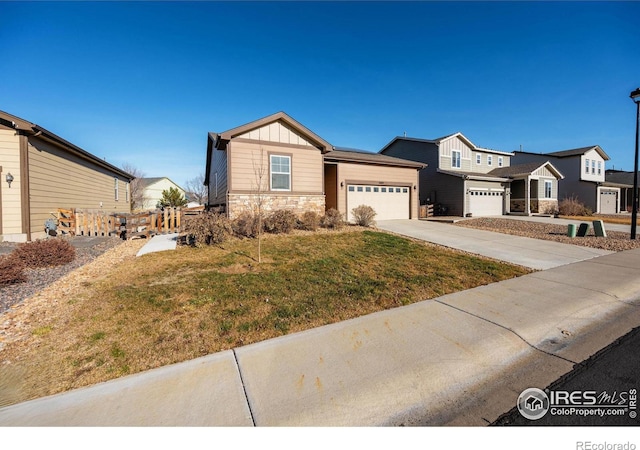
343 154
146 182
579 152
439 140
525 169
31 129
224 137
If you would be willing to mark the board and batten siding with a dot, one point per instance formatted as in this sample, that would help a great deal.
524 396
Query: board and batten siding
58 179
10 196
276 132
247 158
466 153
218 178
353 173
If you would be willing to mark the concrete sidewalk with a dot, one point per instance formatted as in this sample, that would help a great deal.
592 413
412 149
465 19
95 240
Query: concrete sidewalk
461 359
159 243
533 253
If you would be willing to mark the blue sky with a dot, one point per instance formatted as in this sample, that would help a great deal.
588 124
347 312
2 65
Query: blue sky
143 82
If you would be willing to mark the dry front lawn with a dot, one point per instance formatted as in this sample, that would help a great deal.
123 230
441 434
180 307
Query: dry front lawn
169 307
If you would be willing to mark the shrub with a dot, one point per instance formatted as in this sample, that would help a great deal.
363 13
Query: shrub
45 253
363 215
571 206
246 225
332 219
208 228
309 221
11 271
280 221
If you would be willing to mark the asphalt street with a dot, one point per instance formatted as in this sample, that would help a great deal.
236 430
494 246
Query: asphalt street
614 370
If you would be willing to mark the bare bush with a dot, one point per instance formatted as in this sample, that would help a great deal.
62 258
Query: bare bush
571 206
208 228
309 221
332 219
280 221
246 224
11 271
363 215
45 253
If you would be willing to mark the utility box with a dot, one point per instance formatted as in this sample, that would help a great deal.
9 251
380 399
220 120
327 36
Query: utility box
583 229
598 228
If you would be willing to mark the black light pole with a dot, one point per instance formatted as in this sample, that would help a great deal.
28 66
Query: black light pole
635 96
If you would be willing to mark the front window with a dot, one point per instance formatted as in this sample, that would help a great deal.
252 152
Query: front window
478 158
500 161
593 166
599 167
280 173
115 187
455 159
586 166
547 189
489 160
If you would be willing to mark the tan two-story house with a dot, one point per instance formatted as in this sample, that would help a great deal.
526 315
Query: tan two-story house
462 179
284 165
41 172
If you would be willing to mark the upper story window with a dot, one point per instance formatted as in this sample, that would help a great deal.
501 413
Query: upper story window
115 187
599 167
478 158
500 161
456 159
489 160
126 192
548 189
280 167
586 166
593 167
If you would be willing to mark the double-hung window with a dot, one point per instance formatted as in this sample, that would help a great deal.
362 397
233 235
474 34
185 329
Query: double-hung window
548 189
280 167
489 160
500 161
599 167
455 159
115 188
478 158
586 166
593 167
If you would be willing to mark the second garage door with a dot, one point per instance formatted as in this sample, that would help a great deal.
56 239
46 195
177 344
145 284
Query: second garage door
486 202
608 201
389 202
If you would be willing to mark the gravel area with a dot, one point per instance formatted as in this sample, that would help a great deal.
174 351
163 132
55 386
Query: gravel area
87 249
615 241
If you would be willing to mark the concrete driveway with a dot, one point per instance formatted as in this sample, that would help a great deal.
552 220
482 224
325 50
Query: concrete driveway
533 253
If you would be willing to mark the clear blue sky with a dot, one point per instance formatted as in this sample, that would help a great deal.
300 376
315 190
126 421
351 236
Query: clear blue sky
143 82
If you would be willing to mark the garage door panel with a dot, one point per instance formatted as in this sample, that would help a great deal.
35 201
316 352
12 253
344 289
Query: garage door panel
485 202
608 201
389 202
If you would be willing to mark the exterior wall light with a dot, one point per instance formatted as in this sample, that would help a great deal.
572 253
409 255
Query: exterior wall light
9 179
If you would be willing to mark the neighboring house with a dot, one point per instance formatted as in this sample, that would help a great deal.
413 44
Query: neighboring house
152 191
48 173
584 176
463 179
624 182
283 164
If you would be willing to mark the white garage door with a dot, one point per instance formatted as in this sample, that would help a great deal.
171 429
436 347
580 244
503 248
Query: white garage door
485 202
608 201
389 202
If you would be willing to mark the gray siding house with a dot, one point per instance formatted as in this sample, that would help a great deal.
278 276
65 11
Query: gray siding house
462 179
584 176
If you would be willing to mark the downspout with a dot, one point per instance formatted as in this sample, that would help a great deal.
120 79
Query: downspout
527 196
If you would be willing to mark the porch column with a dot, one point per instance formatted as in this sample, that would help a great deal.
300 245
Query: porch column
527 196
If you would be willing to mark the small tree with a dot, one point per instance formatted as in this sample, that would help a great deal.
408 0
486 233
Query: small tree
198 192
172 198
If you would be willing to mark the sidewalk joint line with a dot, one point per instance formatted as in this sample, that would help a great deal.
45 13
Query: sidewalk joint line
508 329
244 389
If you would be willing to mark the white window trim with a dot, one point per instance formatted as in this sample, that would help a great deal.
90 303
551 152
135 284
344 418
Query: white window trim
126 192
489 160
599 167
271 172
453 152
550 184
115 187
500 161
586 166
478 158
593 167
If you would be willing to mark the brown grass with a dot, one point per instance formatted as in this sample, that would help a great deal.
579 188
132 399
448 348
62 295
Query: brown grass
169 307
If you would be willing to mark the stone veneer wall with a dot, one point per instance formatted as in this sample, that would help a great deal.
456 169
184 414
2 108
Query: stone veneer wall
546 206
239 203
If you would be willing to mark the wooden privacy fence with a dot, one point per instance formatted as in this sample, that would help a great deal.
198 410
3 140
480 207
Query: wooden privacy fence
83 222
